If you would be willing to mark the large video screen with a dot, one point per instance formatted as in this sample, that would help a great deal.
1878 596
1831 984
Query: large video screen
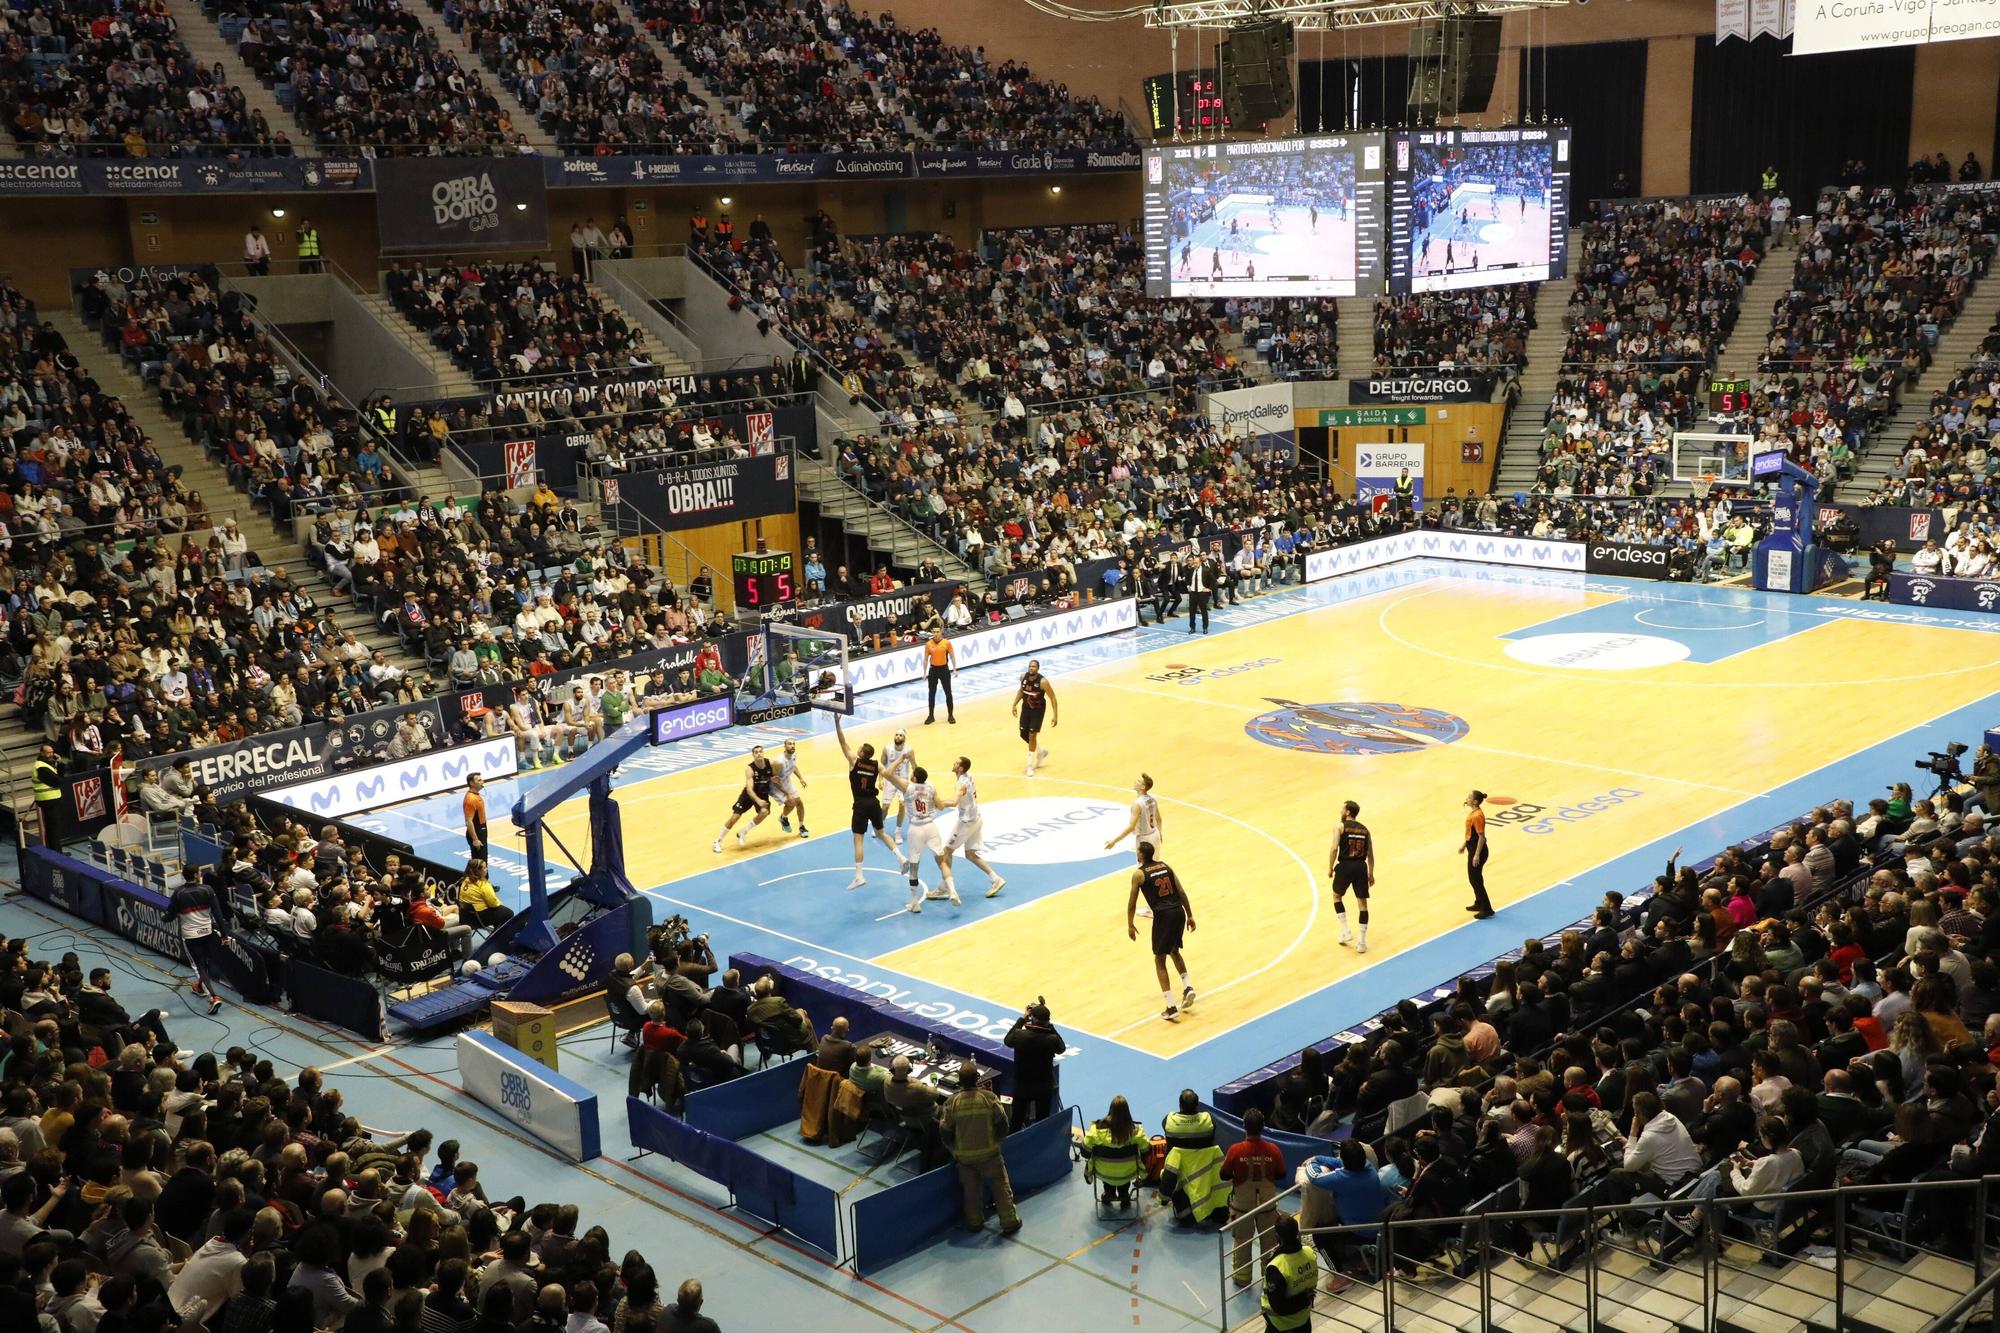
1278 217
1477 208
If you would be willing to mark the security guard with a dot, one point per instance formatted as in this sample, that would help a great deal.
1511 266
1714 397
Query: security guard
1770 179
385 417
1116 1150
309 261
48 796
1289 1280
1406 492
725 231
698 229
975 1127
1192 1176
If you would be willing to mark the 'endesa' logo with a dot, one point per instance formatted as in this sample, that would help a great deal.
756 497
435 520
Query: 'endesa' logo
1536 819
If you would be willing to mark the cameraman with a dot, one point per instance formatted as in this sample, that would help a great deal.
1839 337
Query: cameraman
1986 777
1036 1046
1881 562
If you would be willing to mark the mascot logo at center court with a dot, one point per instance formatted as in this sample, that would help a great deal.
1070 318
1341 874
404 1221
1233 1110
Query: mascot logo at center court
1355 728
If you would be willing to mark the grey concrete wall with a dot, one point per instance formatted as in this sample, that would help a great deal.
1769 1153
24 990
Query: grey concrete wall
367 358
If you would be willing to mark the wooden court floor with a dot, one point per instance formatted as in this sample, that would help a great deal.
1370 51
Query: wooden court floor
1606 721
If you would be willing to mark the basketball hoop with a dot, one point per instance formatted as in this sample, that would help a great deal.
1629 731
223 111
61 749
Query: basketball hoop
1703 483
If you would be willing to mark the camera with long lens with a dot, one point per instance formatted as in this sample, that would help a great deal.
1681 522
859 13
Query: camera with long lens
1944 763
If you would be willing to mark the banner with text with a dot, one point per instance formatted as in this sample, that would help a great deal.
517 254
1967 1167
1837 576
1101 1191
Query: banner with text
866 616
1445 386
299 754
1261 413
1377 467
710 493
433 204
1824 25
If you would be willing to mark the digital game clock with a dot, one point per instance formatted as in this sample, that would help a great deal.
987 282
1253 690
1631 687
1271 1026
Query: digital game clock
1729 395
764 579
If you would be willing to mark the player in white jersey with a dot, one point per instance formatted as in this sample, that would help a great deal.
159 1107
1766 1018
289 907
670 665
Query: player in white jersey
897 761
1147 823
920 799
968 835
787 786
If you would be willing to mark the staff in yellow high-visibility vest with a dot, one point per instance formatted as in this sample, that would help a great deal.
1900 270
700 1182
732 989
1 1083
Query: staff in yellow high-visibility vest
309 258
1289 1280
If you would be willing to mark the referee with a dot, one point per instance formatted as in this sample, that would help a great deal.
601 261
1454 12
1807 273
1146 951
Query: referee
942 658
475 816
1352 865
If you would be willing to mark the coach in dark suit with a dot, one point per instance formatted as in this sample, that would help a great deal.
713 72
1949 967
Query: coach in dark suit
1203 576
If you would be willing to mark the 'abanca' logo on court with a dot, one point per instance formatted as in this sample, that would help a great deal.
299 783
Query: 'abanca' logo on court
1355 728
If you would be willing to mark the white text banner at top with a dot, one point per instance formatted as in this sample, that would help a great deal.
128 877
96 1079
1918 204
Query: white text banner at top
1822 26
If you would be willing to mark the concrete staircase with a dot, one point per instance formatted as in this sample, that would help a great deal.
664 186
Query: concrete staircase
662 355
1354 322
1955 349
1521 450
525 125
1738 357
204 41
895 541
452 382
671 68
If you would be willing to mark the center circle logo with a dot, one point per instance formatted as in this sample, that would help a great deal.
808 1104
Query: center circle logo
1049 830
1355 728
1597 652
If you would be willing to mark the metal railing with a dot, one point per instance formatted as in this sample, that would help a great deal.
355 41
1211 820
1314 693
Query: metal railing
948 558
1416 1264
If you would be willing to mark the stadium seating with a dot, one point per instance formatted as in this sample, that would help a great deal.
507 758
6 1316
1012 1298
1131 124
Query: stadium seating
810 80
1657 290
117 81
368 72
1478 329
589 77
508 322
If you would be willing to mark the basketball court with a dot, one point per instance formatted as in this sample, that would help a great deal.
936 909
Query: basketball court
1299 247
1504 231
1609 719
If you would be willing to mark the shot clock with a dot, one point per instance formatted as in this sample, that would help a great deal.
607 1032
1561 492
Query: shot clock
764 579
1727 395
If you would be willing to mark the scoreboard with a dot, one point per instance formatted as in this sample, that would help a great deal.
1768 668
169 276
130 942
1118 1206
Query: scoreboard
1199 106
1729 395
764 579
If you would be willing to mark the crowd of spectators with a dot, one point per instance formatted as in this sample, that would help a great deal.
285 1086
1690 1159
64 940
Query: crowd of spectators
1298 336
135 619
1657 291
1949 461
1822 1008
1479 328
589 77
149 1188
823 77
508 323
96 78
369 73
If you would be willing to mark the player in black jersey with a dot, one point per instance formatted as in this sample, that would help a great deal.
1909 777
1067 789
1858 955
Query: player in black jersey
1352 865
1035 697
756 795
1156 881
864 777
